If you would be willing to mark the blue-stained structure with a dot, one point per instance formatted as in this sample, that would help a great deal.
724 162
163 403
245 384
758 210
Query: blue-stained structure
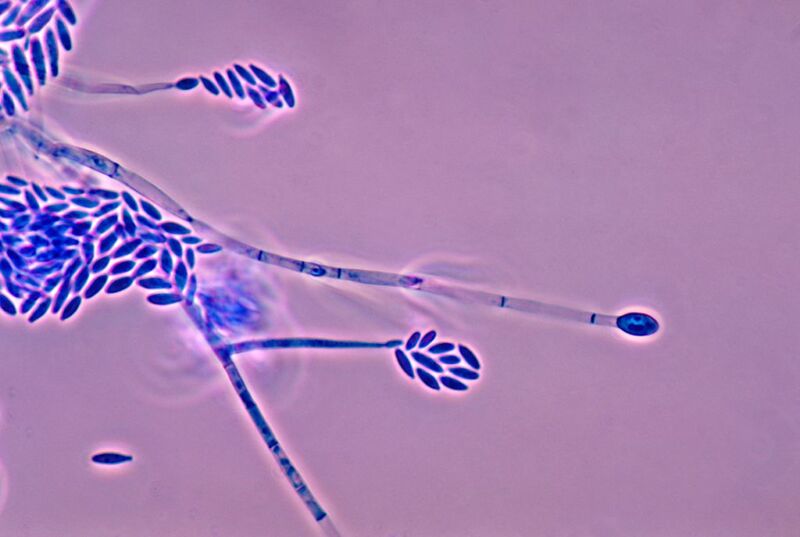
33 35
62 245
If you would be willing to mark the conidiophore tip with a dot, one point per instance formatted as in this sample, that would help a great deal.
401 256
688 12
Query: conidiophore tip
637 324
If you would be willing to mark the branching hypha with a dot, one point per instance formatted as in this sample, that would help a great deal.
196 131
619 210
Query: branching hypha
109 230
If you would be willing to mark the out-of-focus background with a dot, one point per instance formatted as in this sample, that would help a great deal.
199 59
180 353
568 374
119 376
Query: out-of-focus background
597 154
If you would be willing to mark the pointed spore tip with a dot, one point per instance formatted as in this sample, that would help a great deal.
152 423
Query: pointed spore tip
637 324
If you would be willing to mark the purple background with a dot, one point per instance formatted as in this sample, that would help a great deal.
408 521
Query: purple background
598 154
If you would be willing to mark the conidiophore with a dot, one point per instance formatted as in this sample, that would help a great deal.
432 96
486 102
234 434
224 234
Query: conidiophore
62 245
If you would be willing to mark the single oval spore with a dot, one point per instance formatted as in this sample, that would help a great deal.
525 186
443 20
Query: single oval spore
637 324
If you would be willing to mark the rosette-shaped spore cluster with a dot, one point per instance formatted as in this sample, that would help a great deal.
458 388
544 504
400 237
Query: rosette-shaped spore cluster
447 364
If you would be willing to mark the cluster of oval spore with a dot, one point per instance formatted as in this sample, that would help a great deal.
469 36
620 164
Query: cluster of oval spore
251 83
447 364
32 34
60 247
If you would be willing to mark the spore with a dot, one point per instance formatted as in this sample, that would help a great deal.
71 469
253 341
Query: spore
111 458
637 324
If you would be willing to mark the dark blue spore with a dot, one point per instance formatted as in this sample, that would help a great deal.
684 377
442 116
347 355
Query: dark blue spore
146 222
181 274
426 361
108 242
209 248
185 84
40 21
191 240
29 303
127 248
236 84
40 310
6 305
106 208
39 65
427 339
453 384
122 267
637 324
286 92
16 89
5 189
174 228
5 268
144 268
67 12
71 307
166 262
22 67
101 264
8 104
76 214
4 6
88 251
469 357
55 193
244 73
450 359
87 203
155 283
118 285
110 458
464 373
164 299
151 210
146 251
96 286
412 341
104 194
209 86
428 379
31 200
190 257
263 76
56 207
14 289
39 192
130 201
81 279
73 190
223 84
175 246
11 35
63 35
404 363
256 98
52 51
440 348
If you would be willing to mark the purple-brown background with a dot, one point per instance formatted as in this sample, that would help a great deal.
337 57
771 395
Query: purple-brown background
601 154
